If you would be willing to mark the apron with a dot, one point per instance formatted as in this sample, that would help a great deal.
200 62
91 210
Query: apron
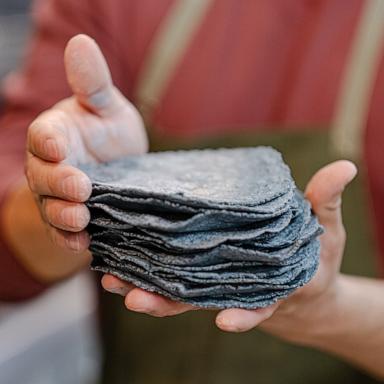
189 348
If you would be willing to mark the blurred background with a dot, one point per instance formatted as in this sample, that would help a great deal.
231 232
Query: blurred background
55 338
14 28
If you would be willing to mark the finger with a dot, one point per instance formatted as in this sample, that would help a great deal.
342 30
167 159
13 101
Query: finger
152 304
75 242
65 215
89 77
57 180
325 189
241 320
115 285
47 136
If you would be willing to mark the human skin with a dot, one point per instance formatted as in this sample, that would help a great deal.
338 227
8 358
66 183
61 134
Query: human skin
96 124
340 314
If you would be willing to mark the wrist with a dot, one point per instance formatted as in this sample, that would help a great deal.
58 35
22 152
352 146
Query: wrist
309 316
351 325
325 312
342 313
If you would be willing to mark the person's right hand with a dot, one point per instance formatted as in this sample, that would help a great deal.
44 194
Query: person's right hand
96 124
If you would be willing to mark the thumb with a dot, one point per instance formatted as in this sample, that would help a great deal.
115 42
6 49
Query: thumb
324 191
88 75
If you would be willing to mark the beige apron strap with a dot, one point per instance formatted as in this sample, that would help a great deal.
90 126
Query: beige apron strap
166 51
354 101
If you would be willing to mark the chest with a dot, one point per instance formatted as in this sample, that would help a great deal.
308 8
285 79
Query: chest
250 64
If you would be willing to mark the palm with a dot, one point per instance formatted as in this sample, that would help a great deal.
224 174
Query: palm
97 138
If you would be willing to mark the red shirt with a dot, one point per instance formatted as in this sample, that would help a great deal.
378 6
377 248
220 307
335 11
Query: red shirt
251 64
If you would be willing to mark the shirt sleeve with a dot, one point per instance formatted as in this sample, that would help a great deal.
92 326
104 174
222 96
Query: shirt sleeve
38 85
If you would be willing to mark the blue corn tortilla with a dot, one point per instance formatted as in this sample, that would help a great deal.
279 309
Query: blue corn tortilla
213 228
238 179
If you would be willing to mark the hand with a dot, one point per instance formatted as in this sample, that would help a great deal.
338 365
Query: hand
292 318
96 124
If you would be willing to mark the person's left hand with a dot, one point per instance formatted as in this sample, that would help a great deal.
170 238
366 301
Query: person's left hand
293 317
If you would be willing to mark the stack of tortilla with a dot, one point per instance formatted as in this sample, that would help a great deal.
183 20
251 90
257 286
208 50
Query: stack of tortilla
214 228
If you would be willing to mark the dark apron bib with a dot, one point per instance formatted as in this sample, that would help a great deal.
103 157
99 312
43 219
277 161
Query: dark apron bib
190 349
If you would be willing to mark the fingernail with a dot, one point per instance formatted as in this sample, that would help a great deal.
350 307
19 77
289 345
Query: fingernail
226 324
99 100
73 217
51 148
76 187
122 291
74 242
143 306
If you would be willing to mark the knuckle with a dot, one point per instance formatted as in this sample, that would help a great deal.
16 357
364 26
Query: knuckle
339 235
50 181
34 128
30 179
49 211
35 135
58 121
56 237
41 206
49 125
